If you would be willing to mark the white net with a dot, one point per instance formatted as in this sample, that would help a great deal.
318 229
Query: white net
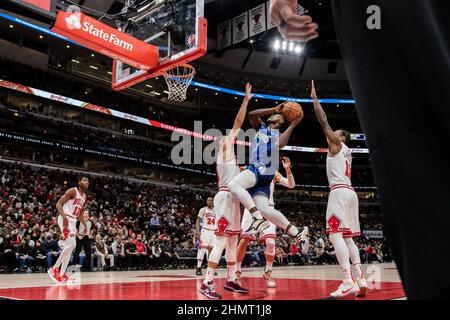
178 80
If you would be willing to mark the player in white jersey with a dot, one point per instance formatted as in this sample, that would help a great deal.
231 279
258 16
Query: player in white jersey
268 235
228 210
206 219
69 208
342 221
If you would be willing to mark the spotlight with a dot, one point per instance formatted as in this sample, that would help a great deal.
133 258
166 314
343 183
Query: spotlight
277 45
284 45
298 49
291 46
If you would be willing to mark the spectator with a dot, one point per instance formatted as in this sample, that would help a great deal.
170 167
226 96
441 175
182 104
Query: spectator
9 254
154 223
101 253
141 250
118 249
131 254
157 255
280 256
294 253
51 249
27 254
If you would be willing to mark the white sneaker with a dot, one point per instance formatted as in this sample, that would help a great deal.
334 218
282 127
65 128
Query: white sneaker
256 226
304 233
363 288
269 280
346 288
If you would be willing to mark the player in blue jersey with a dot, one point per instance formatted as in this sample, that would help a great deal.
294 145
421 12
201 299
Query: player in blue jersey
252 185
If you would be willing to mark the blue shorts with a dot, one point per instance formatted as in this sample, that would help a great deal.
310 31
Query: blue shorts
263 181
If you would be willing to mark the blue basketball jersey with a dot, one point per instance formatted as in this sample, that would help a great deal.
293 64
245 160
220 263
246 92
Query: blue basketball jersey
262 145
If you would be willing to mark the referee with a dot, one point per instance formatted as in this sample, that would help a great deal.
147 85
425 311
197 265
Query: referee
84 239
396 54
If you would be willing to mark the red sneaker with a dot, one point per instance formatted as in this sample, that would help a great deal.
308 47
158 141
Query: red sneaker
53 273
65 277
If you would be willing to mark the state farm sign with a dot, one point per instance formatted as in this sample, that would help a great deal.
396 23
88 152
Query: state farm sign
104 39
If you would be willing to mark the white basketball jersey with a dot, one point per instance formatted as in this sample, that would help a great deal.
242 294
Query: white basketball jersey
208 217
74 206
226 170
339 167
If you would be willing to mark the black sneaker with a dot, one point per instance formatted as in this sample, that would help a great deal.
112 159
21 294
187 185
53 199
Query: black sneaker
209 290
235 287
199 272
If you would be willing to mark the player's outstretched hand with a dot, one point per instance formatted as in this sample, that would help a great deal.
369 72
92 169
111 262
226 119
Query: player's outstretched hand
313 91
286 162
279 108
248 92
297 120
290 24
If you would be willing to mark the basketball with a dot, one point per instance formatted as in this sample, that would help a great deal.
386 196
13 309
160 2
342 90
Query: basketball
292 111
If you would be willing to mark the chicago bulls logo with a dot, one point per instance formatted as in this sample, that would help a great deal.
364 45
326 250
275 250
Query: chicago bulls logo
334 223
222 225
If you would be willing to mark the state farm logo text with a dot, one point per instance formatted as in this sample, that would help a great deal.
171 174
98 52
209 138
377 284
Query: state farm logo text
73 22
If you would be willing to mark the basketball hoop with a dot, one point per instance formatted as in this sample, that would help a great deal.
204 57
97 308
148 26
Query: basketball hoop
178 80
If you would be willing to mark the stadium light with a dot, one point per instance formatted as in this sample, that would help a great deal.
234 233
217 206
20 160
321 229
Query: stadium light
277 45
291 46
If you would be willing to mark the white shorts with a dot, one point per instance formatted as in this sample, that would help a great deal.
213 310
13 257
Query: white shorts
72 226
270 232
342 212
207 238
228 214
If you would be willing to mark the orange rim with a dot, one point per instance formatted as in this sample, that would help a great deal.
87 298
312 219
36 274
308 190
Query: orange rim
187 66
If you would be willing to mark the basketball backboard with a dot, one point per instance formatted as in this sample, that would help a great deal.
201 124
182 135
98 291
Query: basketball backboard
177 27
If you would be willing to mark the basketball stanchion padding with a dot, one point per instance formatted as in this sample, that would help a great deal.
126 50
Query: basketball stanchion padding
178 80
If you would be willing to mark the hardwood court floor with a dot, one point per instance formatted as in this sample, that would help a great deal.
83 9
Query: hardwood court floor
293 283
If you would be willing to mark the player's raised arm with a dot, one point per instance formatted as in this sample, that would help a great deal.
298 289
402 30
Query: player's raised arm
254 117
288 182
240 117
70 194
334 144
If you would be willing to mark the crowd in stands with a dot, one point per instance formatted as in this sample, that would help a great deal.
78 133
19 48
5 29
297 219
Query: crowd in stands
32 122
137 226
